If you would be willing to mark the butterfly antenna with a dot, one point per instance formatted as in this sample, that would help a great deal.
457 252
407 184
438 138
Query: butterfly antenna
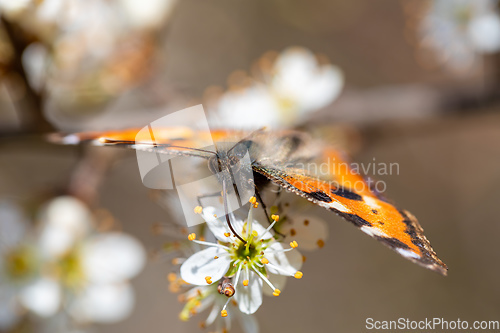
226 211
154 144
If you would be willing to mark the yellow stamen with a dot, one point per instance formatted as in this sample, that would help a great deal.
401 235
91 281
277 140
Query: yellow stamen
216 257
198 209
254 233
275 217
298 275
208 279
276 292
294 244
171 277
264 261
227 234
253 200
255 205
245 283
192 236
223 313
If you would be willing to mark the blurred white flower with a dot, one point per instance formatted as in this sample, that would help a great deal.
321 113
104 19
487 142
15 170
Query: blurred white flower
250 263
12 7
19 265
281 94
93 267
65 265
147 13
302 85
460 30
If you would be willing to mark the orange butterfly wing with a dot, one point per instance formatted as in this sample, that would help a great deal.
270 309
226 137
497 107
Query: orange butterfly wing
365 208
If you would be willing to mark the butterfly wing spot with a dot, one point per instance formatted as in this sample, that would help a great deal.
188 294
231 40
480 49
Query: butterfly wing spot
321 196
342 192
355 219
337 206
408 254
373 231
372 202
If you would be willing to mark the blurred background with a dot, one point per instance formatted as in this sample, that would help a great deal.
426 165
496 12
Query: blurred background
419 86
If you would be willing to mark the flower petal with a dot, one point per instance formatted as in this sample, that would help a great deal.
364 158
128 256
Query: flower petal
43 297
112 257
12 225
248 323
202 264
309 232
288 262
104 303
64 220
325 87
9 315
216 226
250 108
278 281
249 298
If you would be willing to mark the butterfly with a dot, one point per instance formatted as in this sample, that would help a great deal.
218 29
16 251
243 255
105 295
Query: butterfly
285 158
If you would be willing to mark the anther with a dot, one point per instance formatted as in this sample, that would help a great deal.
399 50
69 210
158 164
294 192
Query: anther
198 210
298 275
276 292
192 236
223 313
294 244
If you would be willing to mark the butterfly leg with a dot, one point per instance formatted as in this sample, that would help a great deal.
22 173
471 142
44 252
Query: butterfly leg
264 207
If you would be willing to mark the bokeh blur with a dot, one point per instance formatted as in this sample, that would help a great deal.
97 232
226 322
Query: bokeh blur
397 81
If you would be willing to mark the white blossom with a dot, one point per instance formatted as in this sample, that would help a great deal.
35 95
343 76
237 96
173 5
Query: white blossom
460 30
295 86
250 262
